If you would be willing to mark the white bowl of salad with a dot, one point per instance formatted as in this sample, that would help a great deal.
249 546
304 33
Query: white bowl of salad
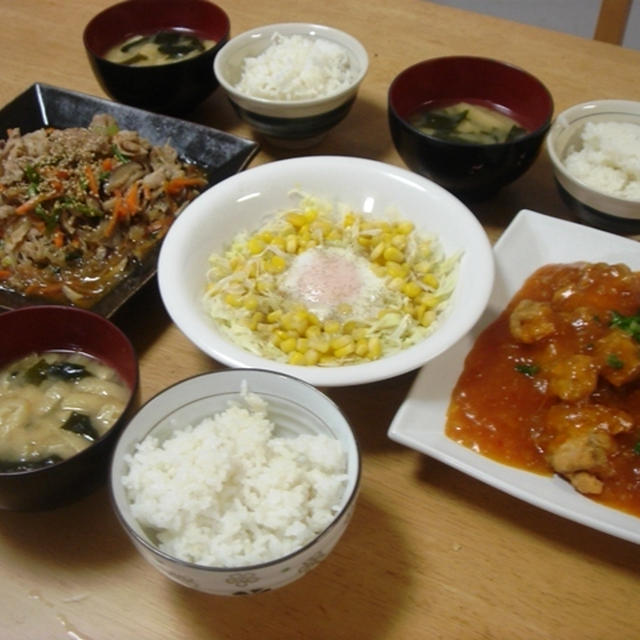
336 270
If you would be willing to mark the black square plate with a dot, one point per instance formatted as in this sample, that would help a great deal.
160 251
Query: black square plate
220 154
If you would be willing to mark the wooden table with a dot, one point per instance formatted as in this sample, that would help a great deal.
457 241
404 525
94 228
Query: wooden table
430 553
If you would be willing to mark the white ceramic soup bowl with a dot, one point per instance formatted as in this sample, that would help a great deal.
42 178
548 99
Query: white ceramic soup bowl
244 201
592 205
295 408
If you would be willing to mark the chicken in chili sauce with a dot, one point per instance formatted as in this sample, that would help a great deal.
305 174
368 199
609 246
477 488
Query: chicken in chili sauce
553 384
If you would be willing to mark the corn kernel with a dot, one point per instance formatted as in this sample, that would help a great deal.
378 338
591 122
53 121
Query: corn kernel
297 358
295 321
311 214
345 351
255 245
362 347
399 241
378 269
321 345
395 270
393 253
427 299
288 345
405 227
276 264
377 251
397 284
418 311
359 332
274 316
340 342
236 262
291 243
349 219
233 300
296 219
332 327
351 326
412 289
422 266
311 357
281 334
250 303
313 331
427 317
375 348
274 340
430 280
255 320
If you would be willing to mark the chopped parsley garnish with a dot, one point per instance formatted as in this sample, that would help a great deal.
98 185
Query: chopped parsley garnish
50 217
118 154
628 324
636 448
527 369
33 178
614 361
32 174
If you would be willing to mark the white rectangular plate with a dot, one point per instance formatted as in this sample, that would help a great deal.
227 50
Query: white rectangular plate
530 241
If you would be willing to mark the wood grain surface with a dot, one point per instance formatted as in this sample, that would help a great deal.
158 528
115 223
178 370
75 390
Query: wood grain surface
430 552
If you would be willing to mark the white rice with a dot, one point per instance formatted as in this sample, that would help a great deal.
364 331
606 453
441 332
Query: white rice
297 68
608 159
227 492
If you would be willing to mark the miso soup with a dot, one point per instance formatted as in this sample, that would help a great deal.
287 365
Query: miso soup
55 404
466 122
162 47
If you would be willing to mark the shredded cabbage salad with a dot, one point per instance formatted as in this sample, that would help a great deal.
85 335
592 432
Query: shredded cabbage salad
250 298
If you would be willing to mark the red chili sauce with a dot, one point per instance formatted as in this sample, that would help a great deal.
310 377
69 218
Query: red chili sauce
553 384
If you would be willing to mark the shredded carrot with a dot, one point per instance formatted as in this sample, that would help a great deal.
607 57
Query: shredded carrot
107 164
62 174
93 183
178 184
118 212
32 203
28 205
131 199
58 238
4 274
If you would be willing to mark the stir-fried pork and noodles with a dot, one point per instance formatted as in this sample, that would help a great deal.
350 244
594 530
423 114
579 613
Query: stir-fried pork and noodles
81 207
